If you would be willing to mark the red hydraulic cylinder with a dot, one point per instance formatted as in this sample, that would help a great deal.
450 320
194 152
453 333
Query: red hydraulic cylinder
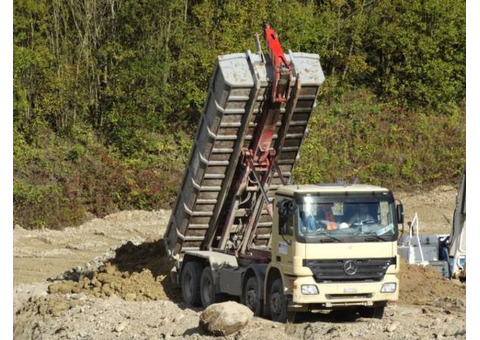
282 70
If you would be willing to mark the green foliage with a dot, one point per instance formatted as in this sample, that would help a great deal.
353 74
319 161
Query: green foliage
378 143
129 67
56 184
108 93
76 152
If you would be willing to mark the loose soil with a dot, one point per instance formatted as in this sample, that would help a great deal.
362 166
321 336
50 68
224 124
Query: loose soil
419 285
136 273
109 279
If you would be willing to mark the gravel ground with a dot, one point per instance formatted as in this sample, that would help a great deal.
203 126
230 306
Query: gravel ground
106 280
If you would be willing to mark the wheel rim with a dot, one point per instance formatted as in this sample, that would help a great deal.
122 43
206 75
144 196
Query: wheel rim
276 303
251 299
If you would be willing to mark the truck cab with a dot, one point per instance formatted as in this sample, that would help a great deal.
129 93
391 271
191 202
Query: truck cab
334 246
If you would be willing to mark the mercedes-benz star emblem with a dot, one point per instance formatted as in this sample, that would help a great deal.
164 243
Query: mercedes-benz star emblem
350 267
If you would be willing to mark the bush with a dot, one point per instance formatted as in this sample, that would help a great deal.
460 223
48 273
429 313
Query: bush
56 184
59 180
379 143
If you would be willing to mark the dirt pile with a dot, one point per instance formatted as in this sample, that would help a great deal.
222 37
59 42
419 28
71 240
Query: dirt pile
419 285
42 254
136 273
54 306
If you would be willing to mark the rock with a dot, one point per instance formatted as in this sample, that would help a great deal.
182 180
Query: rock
120 327
333 331
392 327
449 332
225 318
436 322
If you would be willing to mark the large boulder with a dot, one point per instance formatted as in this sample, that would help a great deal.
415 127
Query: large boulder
225 318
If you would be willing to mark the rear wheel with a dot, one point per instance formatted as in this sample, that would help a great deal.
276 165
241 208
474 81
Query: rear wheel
375 312
208 289
191 273
251 296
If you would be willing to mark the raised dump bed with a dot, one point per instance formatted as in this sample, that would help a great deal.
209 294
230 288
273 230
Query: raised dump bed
237 96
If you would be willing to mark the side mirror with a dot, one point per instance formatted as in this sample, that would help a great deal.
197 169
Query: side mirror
400 218
286 209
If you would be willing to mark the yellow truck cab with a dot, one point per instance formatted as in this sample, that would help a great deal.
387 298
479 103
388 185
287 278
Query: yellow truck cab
335 246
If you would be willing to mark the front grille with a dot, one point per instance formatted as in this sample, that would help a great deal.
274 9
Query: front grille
334 270
348 296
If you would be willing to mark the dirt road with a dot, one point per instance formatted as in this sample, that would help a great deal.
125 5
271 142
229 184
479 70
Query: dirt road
126 294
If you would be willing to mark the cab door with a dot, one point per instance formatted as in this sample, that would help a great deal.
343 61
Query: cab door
283 234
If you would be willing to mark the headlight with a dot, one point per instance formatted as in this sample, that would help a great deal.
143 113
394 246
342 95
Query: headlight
389 287
309 290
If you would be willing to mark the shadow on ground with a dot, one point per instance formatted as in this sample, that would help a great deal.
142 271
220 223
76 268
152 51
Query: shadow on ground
336 316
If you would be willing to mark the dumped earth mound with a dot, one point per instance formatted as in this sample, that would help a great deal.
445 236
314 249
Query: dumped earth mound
419 285
137 273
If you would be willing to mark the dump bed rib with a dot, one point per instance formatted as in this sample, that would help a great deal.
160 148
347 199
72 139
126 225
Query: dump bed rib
237 98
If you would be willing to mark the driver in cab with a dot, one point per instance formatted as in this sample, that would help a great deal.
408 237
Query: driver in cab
361 215
324 219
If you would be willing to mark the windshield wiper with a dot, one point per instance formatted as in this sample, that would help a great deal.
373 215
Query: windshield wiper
374 237
324 233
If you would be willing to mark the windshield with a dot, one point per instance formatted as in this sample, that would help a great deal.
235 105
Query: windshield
346 220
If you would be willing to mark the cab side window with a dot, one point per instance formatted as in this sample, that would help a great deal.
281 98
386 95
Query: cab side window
290 224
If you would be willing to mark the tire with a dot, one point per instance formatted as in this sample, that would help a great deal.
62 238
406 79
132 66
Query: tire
190 281
208 289
277 302
372 312
251 296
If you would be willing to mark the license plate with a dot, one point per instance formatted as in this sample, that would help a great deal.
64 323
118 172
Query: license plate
350 290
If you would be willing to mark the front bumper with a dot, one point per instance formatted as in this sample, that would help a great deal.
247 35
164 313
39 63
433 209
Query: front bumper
339 294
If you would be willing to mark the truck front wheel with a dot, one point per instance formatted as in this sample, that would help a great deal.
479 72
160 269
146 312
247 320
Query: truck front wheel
277 301
191 273
251 296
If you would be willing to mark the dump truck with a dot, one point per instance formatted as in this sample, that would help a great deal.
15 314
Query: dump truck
240 229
